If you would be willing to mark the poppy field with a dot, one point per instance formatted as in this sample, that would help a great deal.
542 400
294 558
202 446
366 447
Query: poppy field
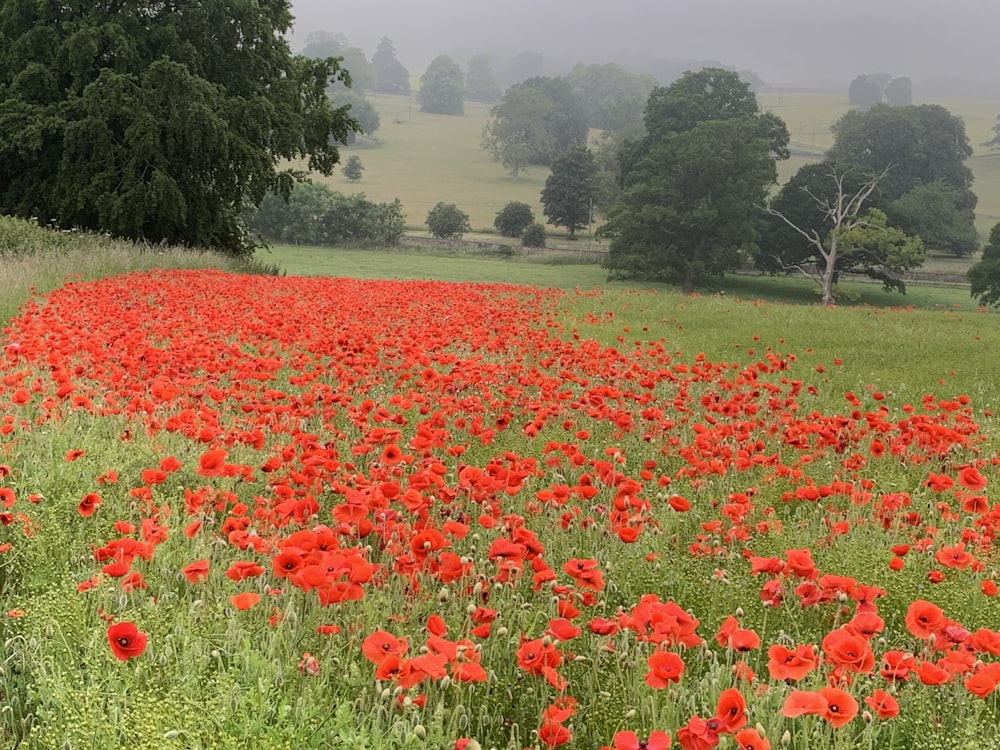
249 511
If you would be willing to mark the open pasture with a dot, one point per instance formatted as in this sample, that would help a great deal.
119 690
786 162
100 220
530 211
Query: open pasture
422 158
292 512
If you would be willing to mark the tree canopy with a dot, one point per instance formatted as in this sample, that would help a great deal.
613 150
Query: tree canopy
391 76
922 147
534 122
442 87
921 144
323 44
985 275
614 97
568 195
158 125
690 188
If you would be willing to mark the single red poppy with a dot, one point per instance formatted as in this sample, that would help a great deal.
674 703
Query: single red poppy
126 641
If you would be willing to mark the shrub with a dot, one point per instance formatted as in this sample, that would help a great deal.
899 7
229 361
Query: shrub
447 221
534 236
317 215
513 219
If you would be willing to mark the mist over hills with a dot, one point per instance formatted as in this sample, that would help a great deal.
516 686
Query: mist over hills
946 50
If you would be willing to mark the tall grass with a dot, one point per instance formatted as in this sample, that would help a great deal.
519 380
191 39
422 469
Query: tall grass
34 259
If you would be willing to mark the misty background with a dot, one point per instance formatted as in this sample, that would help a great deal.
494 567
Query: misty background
947 50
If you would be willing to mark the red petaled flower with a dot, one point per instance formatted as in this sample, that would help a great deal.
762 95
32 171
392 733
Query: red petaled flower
126 641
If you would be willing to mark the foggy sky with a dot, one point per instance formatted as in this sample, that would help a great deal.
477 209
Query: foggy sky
784 41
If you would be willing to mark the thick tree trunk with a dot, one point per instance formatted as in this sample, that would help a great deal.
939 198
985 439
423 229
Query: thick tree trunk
687 285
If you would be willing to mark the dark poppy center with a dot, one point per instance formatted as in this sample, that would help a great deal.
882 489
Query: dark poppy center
124 642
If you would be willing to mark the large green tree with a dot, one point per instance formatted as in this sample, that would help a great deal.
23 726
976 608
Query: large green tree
568 195
145 122
390 74
687 211
442 87
985 275
920 146
534 122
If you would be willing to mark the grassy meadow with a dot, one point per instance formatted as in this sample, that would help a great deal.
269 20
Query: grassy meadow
423 158
303 512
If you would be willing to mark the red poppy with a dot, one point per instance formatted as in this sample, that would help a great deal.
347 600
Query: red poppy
840 706
664 667
883 704
750 739
245 600
197 571
786 664
731 710
924 618
88 504
852 652
628 740
970 478
803 702
380 644
126 641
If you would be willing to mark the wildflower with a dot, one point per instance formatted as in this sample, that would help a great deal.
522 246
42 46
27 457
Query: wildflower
126 641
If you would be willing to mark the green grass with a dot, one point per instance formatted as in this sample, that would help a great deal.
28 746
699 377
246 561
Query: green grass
555 271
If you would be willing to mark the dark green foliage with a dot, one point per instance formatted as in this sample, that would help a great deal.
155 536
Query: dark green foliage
568 195
534 236
864 93
985 275
316 215
899 92
614 97
323 44
780 246
534 122
690 188
513 219
442 88
920 146
447 221
480 82
941 215
391 77
353 168
157 125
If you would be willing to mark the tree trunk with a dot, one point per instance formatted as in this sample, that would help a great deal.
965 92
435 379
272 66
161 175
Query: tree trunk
830 271
687 286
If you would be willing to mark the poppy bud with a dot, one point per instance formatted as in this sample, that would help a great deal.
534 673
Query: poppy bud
786 738
443 595
420 732
739 612
866 715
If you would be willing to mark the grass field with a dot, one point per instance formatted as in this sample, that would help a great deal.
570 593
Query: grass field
408 264
302 513
422 158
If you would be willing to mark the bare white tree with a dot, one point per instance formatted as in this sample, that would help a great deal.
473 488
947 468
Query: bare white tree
842 213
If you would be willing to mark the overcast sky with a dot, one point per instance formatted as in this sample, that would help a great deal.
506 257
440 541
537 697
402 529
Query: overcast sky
784 41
